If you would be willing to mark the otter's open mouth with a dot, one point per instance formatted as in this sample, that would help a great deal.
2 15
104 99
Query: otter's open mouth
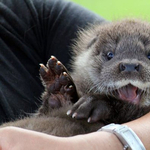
130 93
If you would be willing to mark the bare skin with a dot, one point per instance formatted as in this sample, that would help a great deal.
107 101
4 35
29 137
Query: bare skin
12 138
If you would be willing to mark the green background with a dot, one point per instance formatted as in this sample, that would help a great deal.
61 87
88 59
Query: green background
116 9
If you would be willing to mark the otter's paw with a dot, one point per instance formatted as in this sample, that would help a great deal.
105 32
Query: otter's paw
59 86
90 107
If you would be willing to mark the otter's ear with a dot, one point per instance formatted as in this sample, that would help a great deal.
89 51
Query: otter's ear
92 42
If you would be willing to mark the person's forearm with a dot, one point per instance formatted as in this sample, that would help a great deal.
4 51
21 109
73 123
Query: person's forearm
96 141
12 138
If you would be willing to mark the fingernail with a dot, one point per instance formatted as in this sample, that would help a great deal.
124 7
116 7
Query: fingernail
53 57
69 112
89 120
58 62
41 65
70 87
74 115
64 73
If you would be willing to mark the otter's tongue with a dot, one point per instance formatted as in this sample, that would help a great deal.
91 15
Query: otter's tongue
128 93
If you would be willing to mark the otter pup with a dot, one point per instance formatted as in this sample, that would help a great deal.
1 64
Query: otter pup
110 81
111 71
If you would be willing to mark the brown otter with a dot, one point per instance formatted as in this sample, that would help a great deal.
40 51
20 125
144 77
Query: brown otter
112 70
110 81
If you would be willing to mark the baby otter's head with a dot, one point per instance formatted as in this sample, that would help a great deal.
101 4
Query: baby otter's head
117 60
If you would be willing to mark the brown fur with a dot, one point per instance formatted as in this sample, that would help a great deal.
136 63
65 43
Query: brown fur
55 123
97 79
129 39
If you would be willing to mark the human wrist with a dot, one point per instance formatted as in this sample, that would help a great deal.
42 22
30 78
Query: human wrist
141 128
96 141
126 136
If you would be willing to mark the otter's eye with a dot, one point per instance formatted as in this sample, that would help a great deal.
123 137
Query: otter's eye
110 55
148 56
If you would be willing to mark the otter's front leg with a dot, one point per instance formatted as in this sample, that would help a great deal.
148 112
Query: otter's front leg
59 86
93 107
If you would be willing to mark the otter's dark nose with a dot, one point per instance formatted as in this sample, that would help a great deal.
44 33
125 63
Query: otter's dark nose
126 67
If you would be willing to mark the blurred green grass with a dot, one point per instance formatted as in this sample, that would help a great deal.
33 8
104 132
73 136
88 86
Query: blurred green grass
116 9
